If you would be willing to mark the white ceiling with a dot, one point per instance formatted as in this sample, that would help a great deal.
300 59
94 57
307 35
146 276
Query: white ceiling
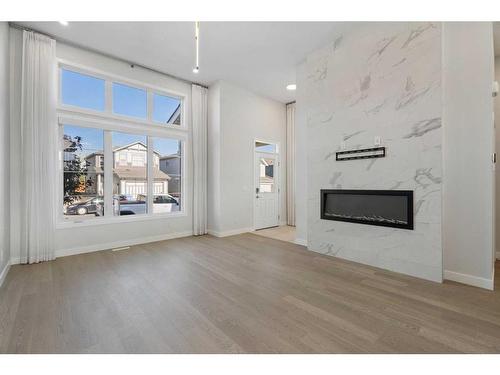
260 56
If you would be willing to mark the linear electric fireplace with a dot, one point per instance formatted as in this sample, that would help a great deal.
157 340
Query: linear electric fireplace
387 208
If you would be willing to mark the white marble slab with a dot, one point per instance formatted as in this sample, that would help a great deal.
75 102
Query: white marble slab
383 79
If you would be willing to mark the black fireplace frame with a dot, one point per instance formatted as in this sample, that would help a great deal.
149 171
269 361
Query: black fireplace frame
406 193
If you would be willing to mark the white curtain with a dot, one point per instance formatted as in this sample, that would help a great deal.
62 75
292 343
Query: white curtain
199 121
290 164
38 175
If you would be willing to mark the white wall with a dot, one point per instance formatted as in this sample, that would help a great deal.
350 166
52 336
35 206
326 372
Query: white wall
379 79
301 158
496 101
88 238
468 147
214 160
243 117
4 149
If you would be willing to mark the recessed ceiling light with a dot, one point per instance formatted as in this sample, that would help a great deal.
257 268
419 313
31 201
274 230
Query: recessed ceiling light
291 87
64 23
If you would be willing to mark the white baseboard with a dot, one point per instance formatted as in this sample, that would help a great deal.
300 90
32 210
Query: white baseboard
469 279
112 245
301 241
227 233
4 273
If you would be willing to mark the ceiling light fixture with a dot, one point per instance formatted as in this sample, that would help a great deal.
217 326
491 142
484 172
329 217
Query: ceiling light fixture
64 23
196 68
291 87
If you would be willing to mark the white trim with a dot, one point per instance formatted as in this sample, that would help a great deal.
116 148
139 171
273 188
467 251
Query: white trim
469 279
300 241
228 233
149 174
4 273
108 175
277 178
90 120
116 244
118 219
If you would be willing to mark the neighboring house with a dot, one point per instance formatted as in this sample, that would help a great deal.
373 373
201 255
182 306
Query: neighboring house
95 174
266 175
175 119
90 182
171 165
130 171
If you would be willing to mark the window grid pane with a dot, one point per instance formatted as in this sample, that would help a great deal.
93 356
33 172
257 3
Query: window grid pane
82 90
129 101
130 182
166 109
167 168
83 172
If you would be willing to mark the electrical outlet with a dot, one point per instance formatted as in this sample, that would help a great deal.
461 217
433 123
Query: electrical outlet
377 141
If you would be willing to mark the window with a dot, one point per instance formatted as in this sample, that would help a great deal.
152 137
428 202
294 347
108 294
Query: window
266 178
265 147
83 174
82 90
167 175
166 109
130 179
114 167
129 101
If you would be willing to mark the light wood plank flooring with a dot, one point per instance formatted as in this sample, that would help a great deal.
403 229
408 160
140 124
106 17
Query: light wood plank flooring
283 233
240 294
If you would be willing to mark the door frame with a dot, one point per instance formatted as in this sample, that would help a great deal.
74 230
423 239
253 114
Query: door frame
277 155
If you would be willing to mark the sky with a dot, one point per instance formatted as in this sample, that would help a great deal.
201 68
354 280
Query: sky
88 92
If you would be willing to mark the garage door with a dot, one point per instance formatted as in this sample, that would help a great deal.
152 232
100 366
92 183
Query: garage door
135 188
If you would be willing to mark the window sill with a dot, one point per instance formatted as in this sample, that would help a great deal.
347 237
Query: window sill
116 220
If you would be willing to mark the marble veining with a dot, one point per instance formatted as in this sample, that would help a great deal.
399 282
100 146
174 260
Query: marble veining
416 33
424 126
382 79
335 177
399 62
349 136
425 177
382 46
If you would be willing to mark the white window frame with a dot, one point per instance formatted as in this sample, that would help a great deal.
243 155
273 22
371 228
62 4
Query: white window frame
109 122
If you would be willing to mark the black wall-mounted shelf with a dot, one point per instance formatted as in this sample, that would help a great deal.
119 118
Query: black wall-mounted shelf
365 153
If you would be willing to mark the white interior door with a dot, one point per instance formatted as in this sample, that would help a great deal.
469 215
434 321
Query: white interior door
266 190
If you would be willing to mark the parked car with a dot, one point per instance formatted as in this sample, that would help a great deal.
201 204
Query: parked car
90 206
129 207
162 203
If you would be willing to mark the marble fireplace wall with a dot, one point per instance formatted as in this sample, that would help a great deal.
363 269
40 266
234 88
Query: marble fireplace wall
378 80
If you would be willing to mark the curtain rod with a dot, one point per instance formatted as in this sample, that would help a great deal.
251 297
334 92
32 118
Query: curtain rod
73 44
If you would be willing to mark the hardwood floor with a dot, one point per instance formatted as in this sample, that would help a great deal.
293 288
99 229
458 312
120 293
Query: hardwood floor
240 294
283 233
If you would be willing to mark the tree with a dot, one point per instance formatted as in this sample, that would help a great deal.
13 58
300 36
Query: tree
75 169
